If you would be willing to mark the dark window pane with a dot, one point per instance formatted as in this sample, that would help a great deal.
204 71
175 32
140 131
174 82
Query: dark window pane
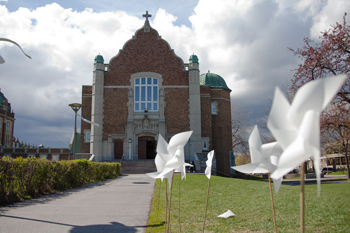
143 93
149 93
155 93
137 93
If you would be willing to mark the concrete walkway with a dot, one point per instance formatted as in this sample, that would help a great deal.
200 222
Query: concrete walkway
117 205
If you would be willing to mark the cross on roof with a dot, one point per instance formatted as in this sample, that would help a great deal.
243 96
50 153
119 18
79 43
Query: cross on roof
146 15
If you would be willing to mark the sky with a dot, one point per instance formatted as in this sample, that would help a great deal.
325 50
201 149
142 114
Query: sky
244 41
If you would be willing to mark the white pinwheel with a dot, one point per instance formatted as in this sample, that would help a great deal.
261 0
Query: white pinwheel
209 163
161 159
296 127
264 157
171 156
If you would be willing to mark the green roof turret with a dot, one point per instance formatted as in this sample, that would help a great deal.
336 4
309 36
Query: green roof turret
213 80
99 59
193 59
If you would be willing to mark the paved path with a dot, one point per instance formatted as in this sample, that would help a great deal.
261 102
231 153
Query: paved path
117 205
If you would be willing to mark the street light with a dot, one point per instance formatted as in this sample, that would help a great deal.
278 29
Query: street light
75 107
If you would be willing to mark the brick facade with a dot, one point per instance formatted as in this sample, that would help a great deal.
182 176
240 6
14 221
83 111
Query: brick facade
115 111
222 130
148 55
176 111
146 52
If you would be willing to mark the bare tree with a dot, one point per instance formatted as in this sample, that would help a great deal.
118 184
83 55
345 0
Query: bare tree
241 131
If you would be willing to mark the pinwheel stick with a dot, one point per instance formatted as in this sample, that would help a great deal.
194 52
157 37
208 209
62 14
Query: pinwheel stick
166 204
273 206
302 197
160 184
206 206
179 201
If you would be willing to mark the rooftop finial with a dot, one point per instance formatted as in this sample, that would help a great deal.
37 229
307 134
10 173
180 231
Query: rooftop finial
147 27
146 15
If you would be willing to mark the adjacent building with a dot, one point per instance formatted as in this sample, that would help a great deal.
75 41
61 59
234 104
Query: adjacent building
7 122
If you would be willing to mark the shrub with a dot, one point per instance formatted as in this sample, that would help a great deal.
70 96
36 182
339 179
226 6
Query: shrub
22 178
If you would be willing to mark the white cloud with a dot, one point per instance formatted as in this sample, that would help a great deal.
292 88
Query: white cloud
331 13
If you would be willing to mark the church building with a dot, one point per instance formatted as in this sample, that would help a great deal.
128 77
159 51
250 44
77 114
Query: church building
147 90
7 122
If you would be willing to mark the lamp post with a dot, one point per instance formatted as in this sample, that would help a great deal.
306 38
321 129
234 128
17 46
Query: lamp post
75 107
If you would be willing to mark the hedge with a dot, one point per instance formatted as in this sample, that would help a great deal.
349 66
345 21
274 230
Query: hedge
23 178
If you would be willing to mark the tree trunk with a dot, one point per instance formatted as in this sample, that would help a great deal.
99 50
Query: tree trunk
347 163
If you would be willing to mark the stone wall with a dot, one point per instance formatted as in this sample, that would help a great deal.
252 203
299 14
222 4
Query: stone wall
49 153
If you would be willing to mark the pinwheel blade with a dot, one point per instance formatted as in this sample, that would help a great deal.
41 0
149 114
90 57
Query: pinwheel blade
252 168
277 183
209 163
227 214
255 146
178 140
315 95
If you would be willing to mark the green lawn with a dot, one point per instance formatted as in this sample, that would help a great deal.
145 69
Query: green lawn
250 201
339 173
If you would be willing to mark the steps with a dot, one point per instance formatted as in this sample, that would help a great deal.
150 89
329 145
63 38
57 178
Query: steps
138 166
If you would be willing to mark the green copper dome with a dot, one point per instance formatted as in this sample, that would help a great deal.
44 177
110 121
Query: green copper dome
2 98
213 80
193 59
99 59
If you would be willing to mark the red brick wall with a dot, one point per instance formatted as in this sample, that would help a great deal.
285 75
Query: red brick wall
206 122
222 130
86 113
176 110
146 53
115 111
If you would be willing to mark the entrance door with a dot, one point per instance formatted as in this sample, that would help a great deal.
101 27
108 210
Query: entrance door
118 149
147 147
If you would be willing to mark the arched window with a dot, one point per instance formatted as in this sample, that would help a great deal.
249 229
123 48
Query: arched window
8 134
146 94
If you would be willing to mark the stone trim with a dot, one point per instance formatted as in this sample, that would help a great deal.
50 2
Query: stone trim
175 86
220 99
117 87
